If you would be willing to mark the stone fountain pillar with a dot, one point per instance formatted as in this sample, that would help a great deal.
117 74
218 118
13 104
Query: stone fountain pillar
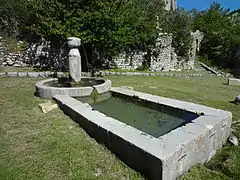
74 58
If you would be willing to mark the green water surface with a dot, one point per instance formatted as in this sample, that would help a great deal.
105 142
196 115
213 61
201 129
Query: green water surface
150 121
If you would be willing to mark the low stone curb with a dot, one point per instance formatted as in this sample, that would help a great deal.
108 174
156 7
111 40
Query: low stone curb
28 74
103 73
109 73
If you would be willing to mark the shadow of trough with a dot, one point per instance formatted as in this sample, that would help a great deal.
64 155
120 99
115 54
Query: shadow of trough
234 102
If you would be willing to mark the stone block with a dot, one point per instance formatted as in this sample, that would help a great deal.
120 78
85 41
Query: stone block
12 74
3 74
4 64
88 74
112 73
102 73
104 87
42 74
22 74
145 74
48 74
84 74
17 65
33 74
60 73
152 74
118 73
74 42
137 74
233 82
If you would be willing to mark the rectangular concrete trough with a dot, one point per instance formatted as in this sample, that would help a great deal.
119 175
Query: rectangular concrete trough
165 157
233 82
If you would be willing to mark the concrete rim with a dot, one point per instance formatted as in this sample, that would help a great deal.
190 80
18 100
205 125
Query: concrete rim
48 92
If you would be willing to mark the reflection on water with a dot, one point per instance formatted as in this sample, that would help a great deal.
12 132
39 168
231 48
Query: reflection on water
151 121
82 83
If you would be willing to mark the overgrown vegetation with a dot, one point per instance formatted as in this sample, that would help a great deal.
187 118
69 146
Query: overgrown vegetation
105 27
221 28
110 27
179 23
12 44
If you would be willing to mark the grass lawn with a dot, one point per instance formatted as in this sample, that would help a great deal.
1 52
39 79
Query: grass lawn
34 145
162 72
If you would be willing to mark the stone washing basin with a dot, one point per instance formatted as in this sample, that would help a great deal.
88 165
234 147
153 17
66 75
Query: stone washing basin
50 87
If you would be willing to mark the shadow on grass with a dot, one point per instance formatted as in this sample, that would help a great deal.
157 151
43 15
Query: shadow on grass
36 94
234 102
226 84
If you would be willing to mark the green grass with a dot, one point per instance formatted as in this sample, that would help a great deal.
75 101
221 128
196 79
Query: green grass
23 69
48 146
161 72
51 146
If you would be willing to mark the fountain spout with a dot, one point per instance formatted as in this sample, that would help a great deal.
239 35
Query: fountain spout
74 58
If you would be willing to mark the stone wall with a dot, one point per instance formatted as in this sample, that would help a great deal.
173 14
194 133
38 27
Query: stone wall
8 58
163 56
38 54
170 4
130 61
197 37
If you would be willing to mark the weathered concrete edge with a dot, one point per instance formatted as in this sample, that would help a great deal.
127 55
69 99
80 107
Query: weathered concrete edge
48 92
192 107
104 87
174 156
208 68
214 127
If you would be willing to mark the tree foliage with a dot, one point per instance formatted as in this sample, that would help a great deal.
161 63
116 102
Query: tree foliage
109 26
221 34
106 27
179 23
13 16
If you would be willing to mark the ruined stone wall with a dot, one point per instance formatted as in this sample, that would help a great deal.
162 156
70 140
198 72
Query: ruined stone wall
197 37
163 57
130 61
162 54
7 58
170 4
36 54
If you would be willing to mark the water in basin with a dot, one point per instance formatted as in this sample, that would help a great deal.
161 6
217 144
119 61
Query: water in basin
83 83
155 121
